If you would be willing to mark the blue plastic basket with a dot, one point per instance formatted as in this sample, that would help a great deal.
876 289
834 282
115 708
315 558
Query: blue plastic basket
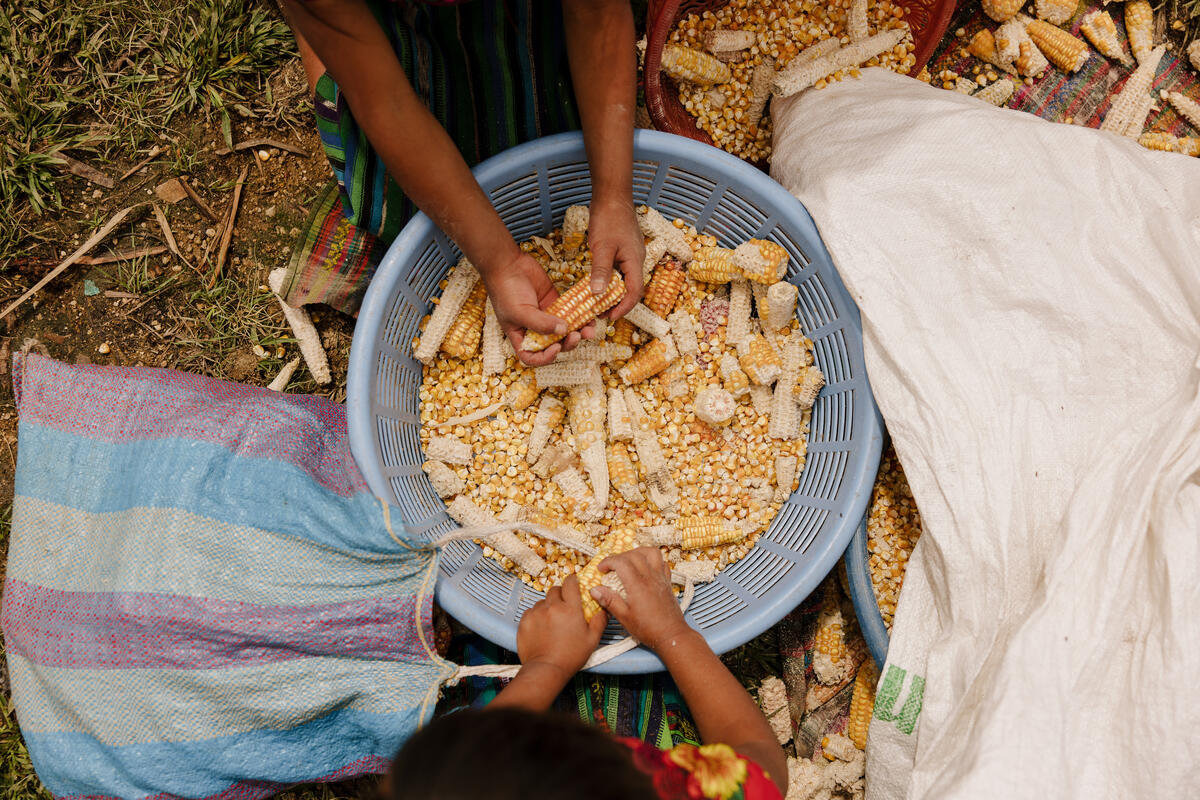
866 608
531 187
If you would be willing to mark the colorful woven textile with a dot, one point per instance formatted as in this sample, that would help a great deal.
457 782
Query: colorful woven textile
202 597
493 72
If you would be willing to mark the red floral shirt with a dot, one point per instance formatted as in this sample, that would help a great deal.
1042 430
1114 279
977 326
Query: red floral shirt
688 772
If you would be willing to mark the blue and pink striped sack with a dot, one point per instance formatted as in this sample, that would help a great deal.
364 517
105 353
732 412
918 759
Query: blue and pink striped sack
203 598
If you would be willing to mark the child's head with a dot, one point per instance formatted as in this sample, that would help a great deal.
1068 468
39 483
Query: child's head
510 753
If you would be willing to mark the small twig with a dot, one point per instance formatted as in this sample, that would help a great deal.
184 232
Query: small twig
249 143
84 171
204 207
115 295
227 233
258 162
124 255
154 153
85 248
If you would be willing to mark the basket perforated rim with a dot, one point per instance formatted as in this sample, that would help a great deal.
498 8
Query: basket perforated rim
531 185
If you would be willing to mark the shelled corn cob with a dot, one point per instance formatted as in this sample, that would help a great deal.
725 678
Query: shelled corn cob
677 449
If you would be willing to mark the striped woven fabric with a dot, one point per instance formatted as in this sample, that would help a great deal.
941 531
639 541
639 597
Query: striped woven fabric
493 72
202 596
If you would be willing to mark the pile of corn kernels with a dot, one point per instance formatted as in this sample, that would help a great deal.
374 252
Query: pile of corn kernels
784 30
893 527
723 471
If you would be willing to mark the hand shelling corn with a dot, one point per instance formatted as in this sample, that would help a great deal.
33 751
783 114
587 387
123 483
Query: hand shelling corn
694 467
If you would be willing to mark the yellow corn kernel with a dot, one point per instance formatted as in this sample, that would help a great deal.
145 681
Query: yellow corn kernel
462 340
622 472
713 265
862 703
761 261
703 531
1101 31
732 378
1001 10
1064 51
458 288
648 361
663 289
1056 12
619 540
549 415
758 360
1188 145
693 66
575 227
1139 28
576 306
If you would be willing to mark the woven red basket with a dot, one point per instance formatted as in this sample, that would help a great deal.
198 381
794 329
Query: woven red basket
928 20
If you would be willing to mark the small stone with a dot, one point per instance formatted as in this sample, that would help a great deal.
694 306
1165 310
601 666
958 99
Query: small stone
270 211
263 155
97 194
171 191
210 232
104 349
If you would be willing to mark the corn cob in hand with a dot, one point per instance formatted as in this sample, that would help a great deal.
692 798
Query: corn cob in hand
576 307
618 541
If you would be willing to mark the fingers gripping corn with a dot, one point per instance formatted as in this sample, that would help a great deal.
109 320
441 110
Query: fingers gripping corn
618 541
1139 27
448 449
576 306
622 472
738 327
657 227
714 406
693 66
462 340
732 377
683 331
575 228
494 339
458 288
445 481
663 289
648 321
785 477
1100 29
467 514
620 425
650 360
1062 49
550 413
797 77
758 360
1186 107
713 265
781 305
1127 115
1056 12
761 261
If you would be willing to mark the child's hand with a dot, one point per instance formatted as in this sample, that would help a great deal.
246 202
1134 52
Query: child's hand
520 291
555 633
616 241
649 611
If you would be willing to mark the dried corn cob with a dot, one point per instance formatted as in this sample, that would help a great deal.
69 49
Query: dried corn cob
587 412
1127 115
773 700
760 398
1064 51
1193 54
458 288
997 93
663 289
758 360
620 425
656 250
983 47
732 377
648 321
664 494
727 45
574 230
554 460
1031 61
571 535
567 373
785 416
965 85
658 228
619 540
761 260
702 570
576 306
817 50
1008 43
494 339
693 66
1101 31
467 514
597 352
683 331
1188 145
448 449
797 77
550 413
575 490
781 305
445 481
1139 28
462 340
622 333
645 437
839 747
862 703
713 265
737 328
830 660
808 387
650 360
785 476
522 392
1056 12
856 21
1186 107
698 532
622 472
657 536
760 91
714 406
1001 10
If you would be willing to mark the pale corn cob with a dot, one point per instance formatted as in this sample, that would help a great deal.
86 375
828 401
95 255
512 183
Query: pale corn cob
550 413
587 411
808 387
467 514
648 361
1056 12
702 570
773 700
732 377
693 66
965 85
1008 43
658 536
713 265
785 476
1193 54
1101 31
622 473
448 449
683 331
862 703
1188 145
837 746
1139 29
760 398
785 416
567 373
1031 61
572 536
656 250
1127 115
458 288
575 490
619 540
522 392
983 47
1186 107
714 406
997 93
830 659
797 77
1001 10
622 333
664 494
737 327
511 512
658 227
597 352
856 21
663 289
1064 51
727 45
699 532
620 425
494 339
648 321
781 305
645 437
758 360
553 460
760 91
574 230
576 306
595 461
761 260
445 481
462 340
818 50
